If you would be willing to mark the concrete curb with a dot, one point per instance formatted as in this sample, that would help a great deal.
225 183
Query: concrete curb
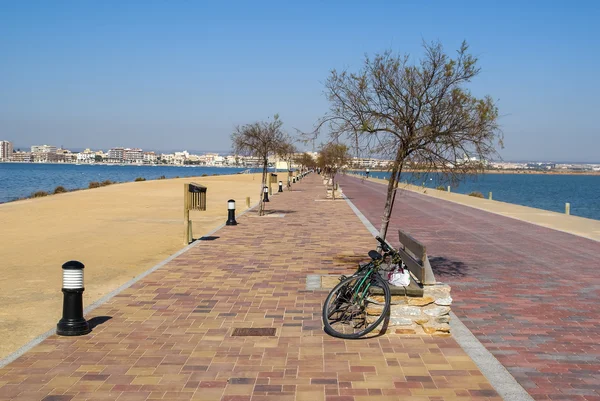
502 381
16 354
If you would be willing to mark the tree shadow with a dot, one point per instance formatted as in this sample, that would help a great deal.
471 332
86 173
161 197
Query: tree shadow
443 267
98 320
350 260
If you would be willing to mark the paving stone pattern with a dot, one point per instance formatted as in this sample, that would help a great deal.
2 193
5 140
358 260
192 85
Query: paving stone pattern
529 294
169 336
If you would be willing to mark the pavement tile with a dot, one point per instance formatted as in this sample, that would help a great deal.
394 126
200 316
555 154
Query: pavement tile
528 293
170 333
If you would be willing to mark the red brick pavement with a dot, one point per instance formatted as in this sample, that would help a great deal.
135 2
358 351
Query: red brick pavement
169 336
531 295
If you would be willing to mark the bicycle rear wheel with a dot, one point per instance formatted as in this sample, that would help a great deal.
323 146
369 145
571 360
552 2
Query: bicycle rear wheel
356 306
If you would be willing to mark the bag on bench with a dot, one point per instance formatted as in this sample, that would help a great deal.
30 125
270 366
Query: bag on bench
399 277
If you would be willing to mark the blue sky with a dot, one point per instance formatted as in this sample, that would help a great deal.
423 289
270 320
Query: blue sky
181 74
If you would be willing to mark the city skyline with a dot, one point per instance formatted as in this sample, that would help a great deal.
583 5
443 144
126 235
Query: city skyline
188 73
229 152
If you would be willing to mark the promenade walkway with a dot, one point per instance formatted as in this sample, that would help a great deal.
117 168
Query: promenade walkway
169 335
530 294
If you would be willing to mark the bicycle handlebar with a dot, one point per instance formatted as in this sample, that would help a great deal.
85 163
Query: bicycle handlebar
384 245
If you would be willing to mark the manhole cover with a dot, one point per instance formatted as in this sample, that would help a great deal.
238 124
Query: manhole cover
256 332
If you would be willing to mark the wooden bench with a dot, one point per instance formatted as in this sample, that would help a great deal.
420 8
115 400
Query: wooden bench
414 256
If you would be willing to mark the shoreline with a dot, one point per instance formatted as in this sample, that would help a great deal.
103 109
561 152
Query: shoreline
525 172
105 182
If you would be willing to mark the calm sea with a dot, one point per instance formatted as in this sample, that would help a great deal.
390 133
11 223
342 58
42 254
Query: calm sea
19 180
542 191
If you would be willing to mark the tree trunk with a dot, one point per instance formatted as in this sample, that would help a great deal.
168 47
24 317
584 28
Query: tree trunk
333 186
261 204
391 193
289 179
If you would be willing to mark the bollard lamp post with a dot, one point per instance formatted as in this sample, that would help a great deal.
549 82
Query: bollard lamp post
280 186
231 213
266 194
293 180
72 322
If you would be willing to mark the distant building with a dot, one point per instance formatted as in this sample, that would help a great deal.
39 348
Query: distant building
66 156
360 163
86 157
6 150
23 157
116 155
167 158
150 157
544 166
231 160
133 155
180 157
46 157
43 149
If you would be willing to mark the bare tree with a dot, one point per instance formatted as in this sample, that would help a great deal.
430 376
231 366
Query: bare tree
332 158
305 161
419 114
260 140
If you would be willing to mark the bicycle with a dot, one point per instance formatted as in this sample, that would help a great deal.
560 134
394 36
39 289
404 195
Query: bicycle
360 302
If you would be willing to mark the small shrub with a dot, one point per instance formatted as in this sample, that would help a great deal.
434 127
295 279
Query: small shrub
204 175
162 177
140 179
60 189
106 182
440 188
39 194
176 176
94 184
476 194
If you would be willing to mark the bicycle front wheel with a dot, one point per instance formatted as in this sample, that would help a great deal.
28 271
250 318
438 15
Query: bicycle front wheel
356 306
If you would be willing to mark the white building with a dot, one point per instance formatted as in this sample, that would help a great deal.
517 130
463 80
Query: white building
167 158
87 156
231 160
6 150
218 161
43 149
150 157
133 155
180 157
116 155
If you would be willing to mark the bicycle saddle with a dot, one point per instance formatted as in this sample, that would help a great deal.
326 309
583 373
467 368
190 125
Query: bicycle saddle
375 255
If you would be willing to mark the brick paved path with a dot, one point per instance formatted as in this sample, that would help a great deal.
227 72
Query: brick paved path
169 336
531 295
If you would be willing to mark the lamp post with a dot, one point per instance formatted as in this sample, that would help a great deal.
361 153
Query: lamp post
367 172
72 322
266 194
231 213
280 186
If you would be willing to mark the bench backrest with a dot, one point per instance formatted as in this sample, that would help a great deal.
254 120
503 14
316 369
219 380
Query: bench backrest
414 255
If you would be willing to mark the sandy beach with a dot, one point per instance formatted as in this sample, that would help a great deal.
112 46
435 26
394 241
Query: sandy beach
118 232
